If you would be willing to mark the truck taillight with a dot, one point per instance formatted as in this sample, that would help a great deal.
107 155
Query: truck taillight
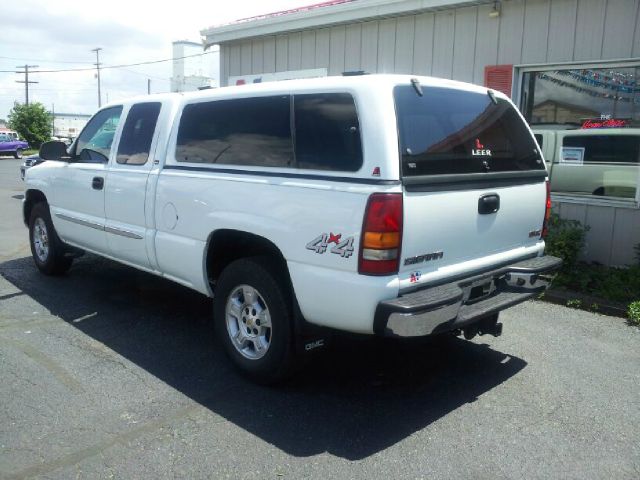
547 212
381 235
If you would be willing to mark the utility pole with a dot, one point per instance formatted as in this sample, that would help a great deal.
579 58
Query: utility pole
26 80
97 64
53 119
148 86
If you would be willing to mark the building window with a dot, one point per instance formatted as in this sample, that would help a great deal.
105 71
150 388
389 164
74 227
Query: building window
589 119
574 98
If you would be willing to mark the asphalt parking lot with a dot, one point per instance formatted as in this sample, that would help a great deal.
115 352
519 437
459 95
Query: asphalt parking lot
112 373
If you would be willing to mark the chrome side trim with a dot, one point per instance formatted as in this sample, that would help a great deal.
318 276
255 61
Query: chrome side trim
84 223
99 226
122 233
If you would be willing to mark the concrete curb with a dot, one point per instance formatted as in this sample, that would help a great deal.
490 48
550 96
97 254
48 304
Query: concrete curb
606 307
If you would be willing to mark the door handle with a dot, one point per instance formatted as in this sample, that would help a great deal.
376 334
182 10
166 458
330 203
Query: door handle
97 183
489 203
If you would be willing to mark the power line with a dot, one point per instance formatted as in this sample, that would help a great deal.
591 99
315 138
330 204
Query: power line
164 79
33 60
155 77
117 66
26 80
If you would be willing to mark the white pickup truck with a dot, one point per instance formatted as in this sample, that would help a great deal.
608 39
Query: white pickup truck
384 204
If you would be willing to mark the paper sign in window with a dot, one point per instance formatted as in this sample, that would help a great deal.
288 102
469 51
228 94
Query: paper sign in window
572 155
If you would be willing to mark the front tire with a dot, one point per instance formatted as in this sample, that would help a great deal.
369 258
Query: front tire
46 248
18 153
253 318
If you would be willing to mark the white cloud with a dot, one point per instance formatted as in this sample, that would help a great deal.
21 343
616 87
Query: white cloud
49 34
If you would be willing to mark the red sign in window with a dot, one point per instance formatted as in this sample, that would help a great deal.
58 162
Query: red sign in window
604 123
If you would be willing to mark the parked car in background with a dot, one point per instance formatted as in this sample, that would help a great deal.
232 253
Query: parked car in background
11 133
10 145
66 140
30 161
33 160
598 161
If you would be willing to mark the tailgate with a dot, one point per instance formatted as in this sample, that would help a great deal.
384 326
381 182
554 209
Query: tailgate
443 228
473 176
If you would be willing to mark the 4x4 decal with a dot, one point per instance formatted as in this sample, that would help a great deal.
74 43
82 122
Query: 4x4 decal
344 248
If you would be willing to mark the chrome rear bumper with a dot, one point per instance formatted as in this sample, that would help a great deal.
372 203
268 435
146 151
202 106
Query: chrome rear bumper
457 304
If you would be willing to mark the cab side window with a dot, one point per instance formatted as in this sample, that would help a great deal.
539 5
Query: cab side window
606 148
327 132
94 143
137 133
243 131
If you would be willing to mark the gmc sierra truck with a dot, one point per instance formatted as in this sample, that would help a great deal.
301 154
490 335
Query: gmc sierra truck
385 205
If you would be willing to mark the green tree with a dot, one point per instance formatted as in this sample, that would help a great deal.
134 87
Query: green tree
32 122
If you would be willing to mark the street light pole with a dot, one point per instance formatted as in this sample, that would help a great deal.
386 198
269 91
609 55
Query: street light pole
97 64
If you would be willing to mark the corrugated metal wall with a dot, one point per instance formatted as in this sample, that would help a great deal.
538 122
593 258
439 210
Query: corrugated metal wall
454 43
613 231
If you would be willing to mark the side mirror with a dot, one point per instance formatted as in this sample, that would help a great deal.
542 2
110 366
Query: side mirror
54 151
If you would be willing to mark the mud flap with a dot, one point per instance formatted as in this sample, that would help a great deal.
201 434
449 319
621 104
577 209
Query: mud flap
308 338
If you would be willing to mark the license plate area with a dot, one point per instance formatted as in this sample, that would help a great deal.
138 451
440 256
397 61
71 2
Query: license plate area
478 290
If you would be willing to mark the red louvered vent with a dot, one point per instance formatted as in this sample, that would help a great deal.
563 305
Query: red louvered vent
499 77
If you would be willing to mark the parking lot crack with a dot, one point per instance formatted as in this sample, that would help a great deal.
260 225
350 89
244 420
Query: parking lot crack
58 372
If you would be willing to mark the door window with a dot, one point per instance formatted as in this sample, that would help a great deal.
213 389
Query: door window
94 143
137 133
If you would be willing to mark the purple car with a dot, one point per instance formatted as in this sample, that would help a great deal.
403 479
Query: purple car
11 145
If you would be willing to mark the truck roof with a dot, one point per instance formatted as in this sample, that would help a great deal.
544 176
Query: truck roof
350 82
354 82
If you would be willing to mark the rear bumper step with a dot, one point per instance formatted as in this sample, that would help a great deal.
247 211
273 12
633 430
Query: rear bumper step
457 304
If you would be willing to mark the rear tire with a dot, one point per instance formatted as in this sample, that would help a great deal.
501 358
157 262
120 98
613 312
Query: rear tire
18 153
46 247
253 318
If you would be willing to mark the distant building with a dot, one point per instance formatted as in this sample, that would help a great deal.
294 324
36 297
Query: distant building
191 69
69 125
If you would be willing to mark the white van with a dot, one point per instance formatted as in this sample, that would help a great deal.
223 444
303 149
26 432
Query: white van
11 133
